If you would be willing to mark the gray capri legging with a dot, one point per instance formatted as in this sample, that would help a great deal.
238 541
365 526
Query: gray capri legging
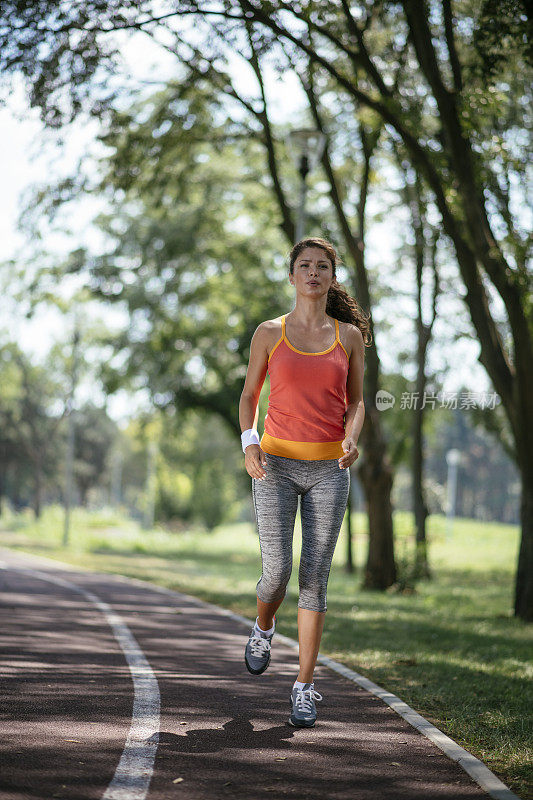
323 487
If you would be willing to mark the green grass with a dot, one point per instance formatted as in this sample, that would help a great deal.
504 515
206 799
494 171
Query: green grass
452 649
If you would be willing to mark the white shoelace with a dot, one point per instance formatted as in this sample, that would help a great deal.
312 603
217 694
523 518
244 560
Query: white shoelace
304 698
259 646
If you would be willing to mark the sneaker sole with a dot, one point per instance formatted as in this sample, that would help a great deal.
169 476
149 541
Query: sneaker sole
301 724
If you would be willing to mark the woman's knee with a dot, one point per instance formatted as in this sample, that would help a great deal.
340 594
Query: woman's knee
273 585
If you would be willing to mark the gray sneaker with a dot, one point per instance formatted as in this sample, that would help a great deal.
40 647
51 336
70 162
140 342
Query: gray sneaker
257 652
303 709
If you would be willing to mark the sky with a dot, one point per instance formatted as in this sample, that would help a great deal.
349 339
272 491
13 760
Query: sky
27 156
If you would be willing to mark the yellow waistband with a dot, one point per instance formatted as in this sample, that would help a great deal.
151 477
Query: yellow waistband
308 451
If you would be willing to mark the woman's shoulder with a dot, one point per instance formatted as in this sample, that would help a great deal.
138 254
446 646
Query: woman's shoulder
272 323
349 329
269 332
271 327
350 336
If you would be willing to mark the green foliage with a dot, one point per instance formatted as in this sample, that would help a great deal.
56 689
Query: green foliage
195 287
33 402
502 36
212 507
174 494
199 477
95 435
47 39
30 435
189 202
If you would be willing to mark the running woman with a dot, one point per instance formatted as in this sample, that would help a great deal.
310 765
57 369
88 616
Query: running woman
315 358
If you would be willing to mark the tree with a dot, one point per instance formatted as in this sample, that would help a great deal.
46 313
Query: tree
424 255
160 191
457 158
29 424
95 435
458 105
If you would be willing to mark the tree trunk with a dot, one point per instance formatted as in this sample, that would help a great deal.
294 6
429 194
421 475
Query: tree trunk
376 478
375 471
37 494
523 605
414 199
3 478
419 506
420 510
83 489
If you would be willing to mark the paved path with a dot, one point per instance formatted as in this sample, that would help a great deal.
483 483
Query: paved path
76 664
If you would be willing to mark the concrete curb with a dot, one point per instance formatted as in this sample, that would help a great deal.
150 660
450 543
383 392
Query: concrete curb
478 771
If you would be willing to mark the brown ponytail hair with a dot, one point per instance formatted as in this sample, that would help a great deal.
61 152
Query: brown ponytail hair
340 304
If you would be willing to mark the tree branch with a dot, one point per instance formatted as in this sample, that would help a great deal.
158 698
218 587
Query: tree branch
364 57
223 83
485 248
450 41
354 241
287 224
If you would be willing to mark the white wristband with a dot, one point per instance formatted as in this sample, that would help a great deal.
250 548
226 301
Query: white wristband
249 437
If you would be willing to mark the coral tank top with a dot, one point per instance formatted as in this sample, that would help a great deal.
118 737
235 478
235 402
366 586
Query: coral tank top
307 401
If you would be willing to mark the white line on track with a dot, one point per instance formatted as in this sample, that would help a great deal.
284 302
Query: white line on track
477 770
134 771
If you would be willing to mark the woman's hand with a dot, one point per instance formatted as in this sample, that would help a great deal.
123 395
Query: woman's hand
351 453
255 461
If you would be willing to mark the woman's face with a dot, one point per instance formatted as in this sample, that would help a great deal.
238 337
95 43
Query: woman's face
312 273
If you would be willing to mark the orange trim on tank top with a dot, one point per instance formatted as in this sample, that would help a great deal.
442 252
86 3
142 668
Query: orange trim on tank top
302 352
307 451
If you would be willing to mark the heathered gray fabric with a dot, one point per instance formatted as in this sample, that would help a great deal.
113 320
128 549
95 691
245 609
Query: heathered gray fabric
323 488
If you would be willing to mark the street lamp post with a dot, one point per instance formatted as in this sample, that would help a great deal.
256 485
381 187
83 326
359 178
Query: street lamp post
306 146
117 462
453 459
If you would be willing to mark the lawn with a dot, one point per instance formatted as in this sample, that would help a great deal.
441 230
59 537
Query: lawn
452 649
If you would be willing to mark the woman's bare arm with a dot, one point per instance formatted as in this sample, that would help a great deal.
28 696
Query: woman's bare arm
355 410
249 403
